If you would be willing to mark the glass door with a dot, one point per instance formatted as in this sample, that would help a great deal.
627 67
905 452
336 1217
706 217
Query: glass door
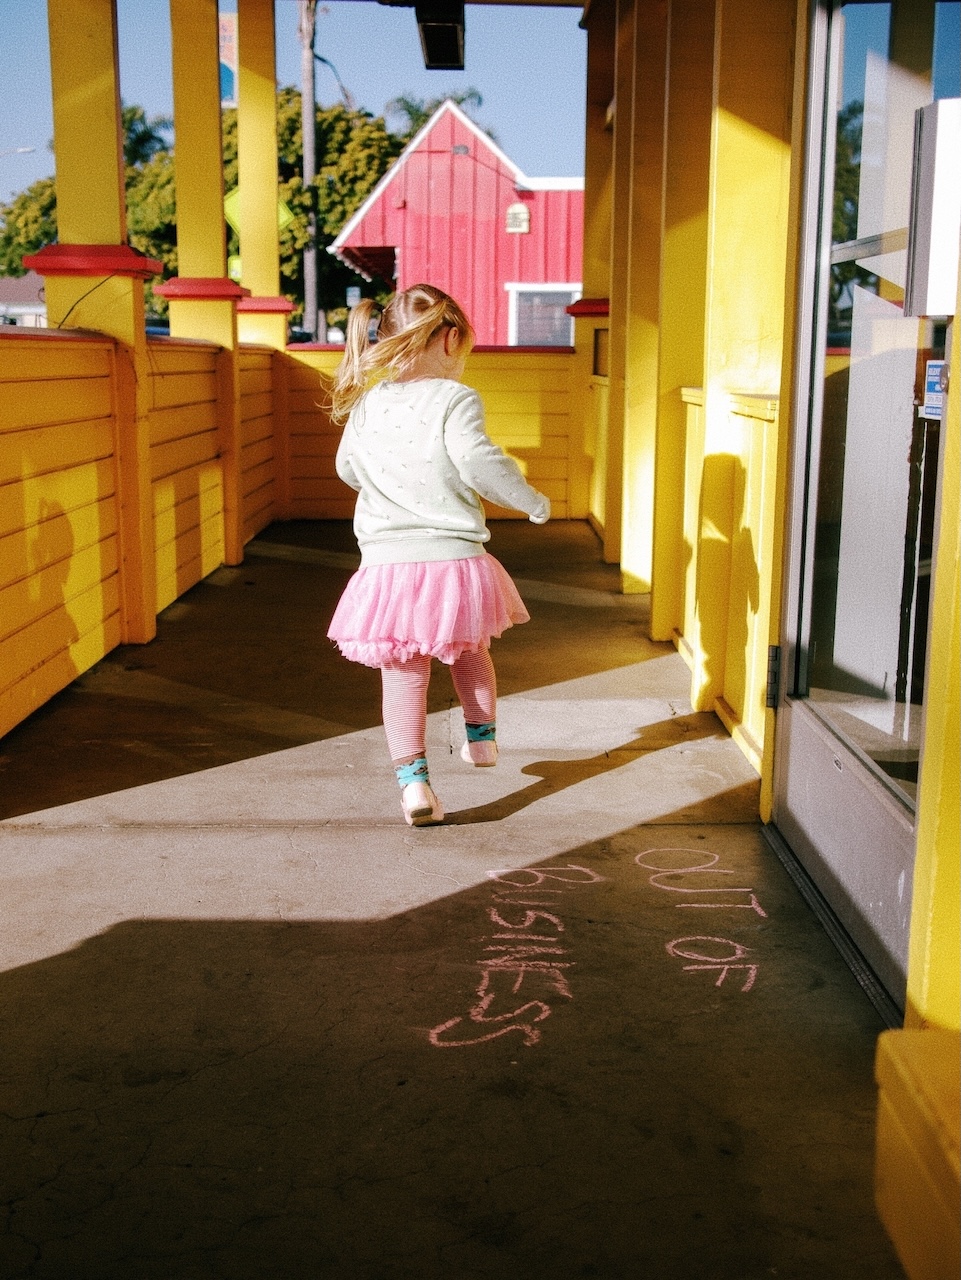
866 478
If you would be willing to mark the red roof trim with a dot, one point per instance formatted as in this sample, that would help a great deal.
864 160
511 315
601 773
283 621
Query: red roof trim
23 332
211 288
590 307
93 260
524 351
265 305
315 346
480 350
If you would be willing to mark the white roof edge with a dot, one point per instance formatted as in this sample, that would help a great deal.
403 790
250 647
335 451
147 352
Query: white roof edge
558 285
520 179
553 184
479 133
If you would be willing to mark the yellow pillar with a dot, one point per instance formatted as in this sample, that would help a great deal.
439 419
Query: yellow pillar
619 272
591 326
207 310
916 1154
746 269
262 318
933 960
203 301
643 297
598 153
93 279
683 290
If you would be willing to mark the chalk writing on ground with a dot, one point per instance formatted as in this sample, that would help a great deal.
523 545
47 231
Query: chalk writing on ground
523 967
683 947
685 874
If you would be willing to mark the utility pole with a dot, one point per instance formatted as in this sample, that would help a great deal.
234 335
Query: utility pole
308 126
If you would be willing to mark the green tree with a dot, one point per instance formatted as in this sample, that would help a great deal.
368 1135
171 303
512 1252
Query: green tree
152 214
354 149
847 182
143 138
415 112
27 223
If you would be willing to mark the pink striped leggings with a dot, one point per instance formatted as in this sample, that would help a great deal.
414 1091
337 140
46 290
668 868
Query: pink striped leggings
405 699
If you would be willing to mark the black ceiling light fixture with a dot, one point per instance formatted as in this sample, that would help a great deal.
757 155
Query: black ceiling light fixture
440 24
441 27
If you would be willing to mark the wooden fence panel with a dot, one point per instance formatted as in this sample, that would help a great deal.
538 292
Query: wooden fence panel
526 397
258 462
185 465
59 585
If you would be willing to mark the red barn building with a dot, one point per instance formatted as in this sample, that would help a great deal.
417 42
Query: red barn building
454 211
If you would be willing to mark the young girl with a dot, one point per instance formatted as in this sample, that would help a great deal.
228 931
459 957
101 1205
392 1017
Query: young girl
416 451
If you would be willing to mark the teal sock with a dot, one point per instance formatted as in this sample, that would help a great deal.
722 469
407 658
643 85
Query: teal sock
481 732
416 771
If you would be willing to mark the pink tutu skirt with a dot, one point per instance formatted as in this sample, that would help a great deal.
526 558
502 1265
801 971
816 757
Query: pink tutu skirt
443 608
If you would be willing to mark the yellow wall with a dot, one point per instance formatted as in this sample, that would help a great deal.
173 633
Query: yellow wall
730 496
688 494
258 452
186 471
934 962
916 1164
527 399
61 454
64 406
314 489
59 545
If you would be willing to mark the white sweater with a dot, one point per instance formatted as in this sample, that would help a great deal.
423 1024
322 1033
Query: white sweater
418 456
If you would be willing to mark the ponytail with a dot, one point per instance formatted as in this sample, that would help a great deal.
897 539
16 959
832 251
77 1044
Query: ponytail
409 324
350 381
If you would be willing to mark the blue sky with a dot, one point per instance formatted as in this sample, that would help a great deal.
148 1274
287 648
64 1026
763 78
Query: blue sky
528 63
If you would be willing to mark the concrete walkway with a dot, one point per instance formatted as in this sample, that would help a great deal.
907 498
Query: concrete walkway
255 1028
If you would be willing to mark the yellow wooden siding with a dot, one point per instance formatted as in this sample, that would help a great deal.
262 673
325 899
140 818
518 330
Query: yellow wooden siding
728 527
258 460
527 400
315 492
185 465
59 588
693 465
270 454
742 705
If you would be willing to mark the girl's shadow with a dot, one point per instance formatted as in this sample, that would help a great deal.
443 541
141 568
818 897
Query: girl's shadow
555 775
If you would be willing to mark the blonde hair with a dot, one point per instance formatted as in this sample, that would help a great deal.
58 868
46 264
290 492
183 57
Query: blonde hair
408 325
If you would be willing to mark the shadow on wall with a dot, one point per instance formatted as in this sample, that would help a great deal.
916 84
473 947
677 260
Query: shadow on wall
727 587
44 602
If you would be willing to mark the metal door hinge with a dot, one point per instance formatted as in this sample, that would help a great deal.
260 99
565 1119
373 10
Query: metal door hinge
773 675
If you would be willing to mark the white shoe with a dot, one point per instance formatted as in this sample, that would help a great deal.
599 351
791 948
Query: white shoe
482 755
421 806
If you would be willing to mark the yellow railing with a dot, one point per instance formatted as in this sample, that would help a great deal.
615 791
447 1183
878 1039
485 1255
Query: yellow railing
526 395
231 444
59 552
186 475
260 427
